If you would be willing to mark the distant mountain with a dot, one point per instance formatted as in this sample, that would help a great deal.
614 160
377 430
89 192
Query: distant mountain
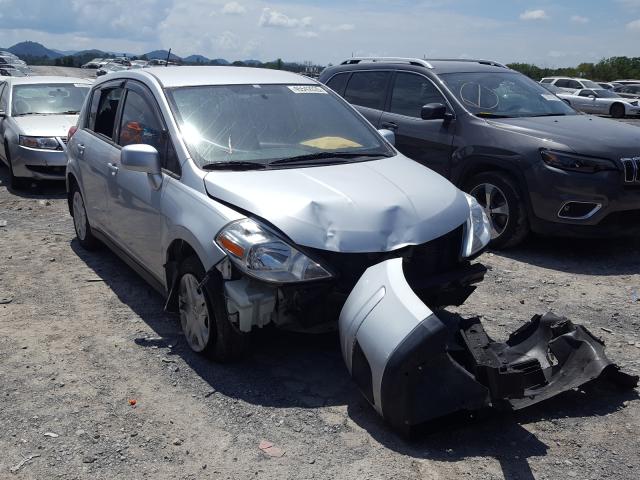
65 52
253 63
220 61
162 55
91 53
33 49
195 59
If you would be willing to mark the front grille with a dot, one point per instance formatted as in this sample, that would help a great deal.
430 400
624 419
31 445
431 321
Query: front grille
631 169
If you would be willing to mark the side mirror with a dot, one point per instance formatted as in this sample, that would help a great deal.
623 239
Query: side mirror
388 135
433 111
143 158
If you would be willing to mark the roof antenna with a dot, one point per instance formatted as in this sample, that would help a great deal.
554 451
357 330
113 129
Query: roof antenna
168 57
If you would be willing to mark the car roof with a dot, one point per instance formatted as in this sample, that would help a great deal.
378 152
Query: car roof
47 79
170 77
436 66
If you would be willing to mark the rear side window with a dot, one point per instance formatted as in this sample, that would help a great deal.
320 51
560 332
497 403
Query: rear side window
102 120
367 89
574 84
546 80
562 83
338 82
411 92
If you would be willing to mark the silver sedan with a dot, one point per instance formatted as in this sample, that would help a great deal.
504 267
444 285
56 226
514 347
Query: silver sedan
601 102
35 116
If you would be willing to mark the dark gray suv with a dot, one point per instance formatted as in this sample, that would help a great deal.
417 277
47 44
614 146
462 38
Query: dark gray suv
533 162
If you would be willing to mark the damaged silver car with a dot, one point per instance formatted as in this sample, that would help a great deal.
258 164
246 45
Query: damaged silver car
251 197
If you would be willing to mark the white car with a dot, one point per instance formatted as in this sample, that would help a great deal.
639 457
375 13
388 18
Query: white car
601 102
569 84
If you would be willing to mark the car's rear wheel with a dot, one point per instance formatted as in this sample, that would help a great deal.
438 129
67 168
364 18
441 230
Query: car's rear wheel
81 221
203 315
16 183
617 110
502 201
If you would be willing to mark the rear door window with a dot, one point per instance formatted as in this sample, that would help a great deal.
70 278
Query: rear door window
574 84
104 121
368 89
338 83
411 92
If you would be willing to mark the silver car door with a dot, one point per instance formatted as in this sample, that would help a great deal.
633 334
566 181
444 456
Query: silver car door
3 120
135 208
96 152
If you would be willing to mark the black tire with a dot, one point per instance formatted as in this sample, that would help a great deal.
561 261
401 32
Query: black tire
617 110
225 342
83 234
15 183
516 228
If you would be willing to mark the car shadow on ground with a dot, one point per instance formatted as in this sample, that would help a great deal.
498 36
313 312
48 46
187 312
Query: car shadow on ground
288 370
37 190
615 256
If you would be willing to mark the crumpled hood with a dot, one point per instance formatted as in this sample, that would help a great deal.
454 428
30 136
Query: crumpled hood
584 134
373 206
45 125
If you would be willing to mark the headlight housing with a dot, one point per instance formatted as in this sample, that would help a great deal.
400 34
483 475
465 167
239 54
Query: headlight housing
42 143
260 253
478 228
575 163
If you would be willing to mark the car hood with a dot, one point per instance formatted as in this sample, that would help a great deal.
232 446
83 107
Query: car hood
583 134
45 125
373 206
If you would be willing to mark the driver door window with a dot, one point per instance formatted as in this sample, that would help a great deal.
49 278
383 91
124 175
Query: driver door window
587 93
411 92
103 119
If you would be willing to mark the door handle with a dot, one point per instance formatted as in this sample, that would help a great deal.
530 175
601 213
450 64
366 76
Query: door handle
390 126
113 168
80 149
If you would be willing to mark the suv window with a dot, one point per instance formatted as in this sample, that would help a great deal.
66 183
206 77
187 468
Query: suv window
338 82
102 119
411 92
562 83
574 84
140 124
367 89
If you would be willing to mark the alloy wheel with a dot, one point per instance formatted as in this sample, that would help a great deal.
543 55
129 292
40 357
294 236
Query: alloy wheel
79 216
495 205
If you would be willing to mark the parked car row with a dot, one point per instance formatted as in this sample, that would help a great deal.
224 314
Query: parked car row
250 197
12 66
109 65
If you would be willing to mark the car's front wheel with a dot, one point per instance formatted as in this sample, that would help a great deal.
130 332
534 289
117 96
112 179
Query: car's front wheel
503 203
617 110
81 221
16 183
203 315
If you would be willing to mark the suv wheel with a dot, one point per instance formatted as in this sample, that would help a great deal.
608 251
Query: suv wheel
203 315
503 203
81 221
16 183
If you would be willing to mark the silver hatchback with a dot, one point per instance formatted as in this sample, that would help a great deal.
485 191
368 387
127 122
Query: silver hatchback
251 197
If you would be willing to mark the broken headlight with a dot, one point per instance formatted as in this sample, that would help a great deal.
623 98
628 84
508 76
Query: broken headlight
260 253
477 229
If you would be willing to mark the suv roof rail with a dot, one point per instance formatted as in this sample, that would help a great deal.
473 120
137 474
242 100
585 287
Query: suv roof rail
411 61
470 60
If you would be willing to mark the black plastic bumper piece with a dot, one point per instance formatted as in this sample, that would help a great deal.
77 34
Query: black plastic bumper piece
450 364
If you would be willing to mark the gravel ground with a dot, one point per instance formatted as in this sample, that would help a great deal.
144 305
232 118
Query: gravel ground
82 336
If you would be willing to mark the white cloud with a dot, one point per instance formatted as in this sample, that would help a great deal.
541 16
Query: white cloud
579 19
306 34
273 18
233 8
635 25
534 15
343 27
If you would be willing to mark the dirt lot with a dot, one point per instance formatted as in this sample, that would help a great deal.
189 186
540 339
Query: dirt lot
81 335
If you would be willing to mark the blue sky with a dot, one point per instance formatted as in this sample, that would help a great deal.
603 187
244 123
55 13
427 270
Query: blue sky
545 32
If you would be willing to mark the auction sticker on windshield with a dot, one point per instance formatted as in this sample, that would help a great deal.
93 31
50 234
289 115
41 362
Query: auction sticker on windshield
306 89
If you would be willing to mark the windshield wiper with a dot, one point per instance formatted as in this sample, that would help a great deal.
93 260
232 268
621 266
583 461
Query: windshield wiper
335 157
68 112
491 115
231 165
550 115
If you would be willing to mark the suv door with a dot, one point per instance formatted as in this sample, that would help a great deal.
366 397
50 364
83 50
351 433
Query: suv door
135 208
428 142
97 153
367 91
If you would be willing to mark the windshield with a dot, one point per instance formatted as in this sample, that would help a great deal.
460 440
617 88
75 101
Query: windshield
48 99
504 94
602 93
590 84
268 123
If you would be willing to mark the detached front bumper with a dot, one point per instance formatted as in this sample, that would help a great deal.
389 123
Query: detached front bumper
414 365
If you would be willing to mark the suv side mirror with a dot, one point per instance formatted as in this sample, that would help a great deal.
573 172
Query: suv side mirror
433 111
143 158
